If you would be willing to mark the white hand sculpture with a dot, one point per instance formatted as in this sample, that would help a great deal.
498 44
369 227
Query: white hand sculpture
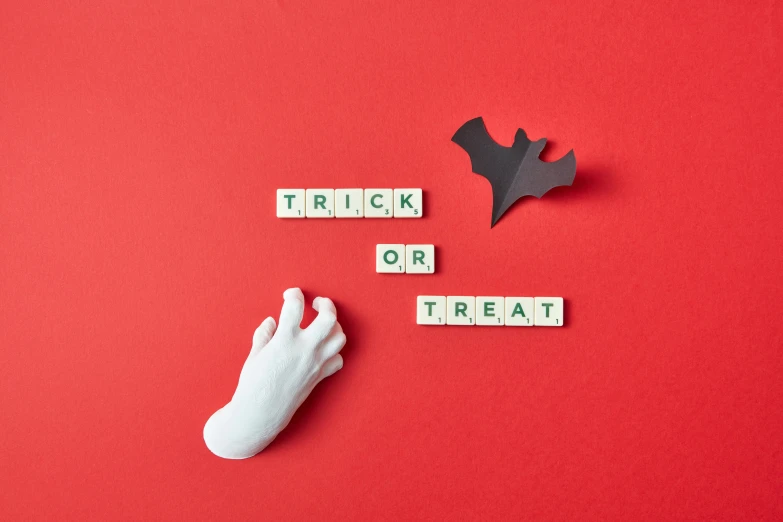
282 369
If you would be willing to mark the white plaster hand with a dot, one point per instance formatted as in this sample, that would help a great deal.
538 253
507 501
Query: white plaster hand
282 369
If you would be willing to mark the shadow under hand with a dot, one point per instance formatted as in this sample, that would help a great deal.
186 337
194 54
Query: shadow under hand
311 414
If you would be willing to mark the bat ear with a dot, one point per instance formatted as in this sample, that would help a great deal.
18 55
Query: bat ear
521 135
536 147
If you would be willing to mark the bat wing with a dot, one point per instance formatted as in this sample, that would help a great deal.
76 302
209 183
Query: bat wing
536 178
485 154
543 176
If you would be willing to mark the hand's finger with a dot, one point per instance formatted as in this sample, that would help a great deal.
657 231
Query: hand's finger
332 345
263 334
293 310
332 366
327 317
337 328
324 304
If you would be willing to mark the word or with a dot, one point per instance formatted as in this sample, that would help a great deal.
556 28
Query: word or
409 259
489 311
349 203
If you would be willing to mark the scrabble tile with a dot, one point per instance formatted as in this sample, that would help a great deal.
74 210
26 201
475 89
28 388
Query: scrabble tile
407 203
549 311
349 203
431 309
291 203
378 203
460 310
390 259
420 259
320 203
489 311
519 311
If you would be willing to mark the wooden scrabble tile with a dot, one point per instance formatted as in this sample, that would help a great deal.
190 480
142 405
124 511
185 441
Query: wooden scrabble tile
408 203
420 259
549 311
431 309
390 259
461 310
378 203
519 311
320 203
349 203
291 203
489 311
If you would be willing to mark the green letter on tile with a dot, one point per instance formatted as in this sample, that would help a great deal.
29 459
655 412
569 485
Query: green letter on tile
386 260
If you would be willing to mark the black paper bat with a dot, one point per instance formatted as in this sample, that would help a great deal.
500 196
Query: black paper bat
513 171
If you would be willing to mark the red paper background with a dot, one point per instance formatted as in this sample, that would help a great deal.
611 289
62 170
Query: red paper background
140 150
